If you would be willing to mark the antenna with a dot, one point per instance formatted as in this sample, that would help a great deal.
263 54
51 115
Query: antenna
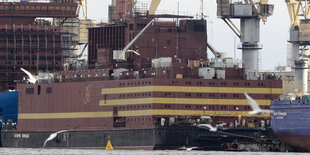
201 9
177 43
178 11
234 49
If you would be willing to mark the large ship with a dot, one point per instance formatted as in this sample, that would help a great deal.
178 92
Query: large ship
290 122
148 85
8 110
8 106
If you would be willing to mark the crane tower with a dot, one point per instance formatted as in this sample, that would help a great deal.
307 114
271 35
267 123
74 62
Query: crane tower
300 40
250 13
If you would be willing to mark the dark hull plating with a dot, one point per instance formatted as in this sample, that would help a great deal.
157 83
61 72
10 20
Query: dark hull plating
301 142
156 138
159 138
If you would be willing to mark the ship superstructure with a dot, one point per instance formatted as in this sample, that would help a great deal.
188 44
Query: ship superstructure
148 85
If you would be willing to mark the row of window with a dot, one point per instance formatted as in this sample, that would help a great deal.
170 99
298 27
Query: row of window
21 63
223 107
27 30
134 95
27 42
199 107
135 83
199 83
135 107
48 90
213 107
38 8
212 95
138 119
26 52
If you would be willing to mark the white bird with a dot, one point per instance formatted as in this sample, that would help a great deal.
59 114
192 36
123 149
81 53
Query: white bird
256 110
52 136
191 148
32 79
209 126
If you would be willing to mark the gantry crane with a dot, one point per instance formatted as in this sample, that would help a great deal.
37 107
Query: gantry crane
299 11
250 13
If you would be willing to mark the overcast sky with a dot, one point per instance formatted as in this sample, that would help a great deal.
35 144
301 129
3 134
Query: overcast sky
274 33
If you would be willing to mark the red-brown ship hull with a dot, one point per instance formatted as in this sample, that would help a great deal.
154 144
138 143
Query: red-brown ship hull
300 142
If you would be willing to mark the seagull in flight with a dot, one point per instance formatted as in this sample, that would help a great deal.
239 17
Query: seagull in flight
256 110
52 136
32 79
191 148
209 126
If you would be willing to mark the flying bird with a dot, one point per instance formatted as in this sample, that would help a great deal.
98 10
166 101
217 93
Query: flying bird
209 126
52 136
256 110
191 148
32 79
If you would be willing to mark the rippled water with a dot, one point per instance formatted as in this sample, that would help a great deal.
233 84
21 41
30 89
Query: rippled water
27 151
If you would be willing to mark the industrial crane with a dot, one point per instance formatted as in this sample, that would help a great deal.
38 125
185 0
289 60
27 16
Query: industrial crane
83 6
154 5
120 55
250 13
300 40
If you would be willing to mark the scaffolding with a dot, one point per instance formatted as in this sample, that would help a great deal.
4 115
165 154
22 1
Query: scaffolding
28 38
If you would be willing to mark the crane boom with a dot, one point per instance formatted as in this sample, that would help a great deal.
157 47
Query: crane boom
293 10
213 50
154 6
120 54
83 6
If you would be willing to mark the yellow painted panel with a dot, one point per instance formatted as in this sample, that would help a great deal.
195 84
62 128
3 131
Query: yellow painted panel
179 76
135 113
191 89
126 101
127 90
64 115
151 112
181 101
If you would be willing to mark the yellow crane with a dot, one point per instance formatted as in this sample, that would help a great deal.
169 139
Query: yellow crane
154 5
300 41
83 6
298 9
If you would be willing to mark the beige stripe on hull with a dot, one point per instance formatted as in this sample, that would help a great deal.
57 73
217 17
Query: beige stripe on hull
135 113
64 115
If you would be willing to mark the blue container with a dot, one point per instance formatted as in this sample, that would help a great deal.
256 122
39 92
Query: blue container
8 106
